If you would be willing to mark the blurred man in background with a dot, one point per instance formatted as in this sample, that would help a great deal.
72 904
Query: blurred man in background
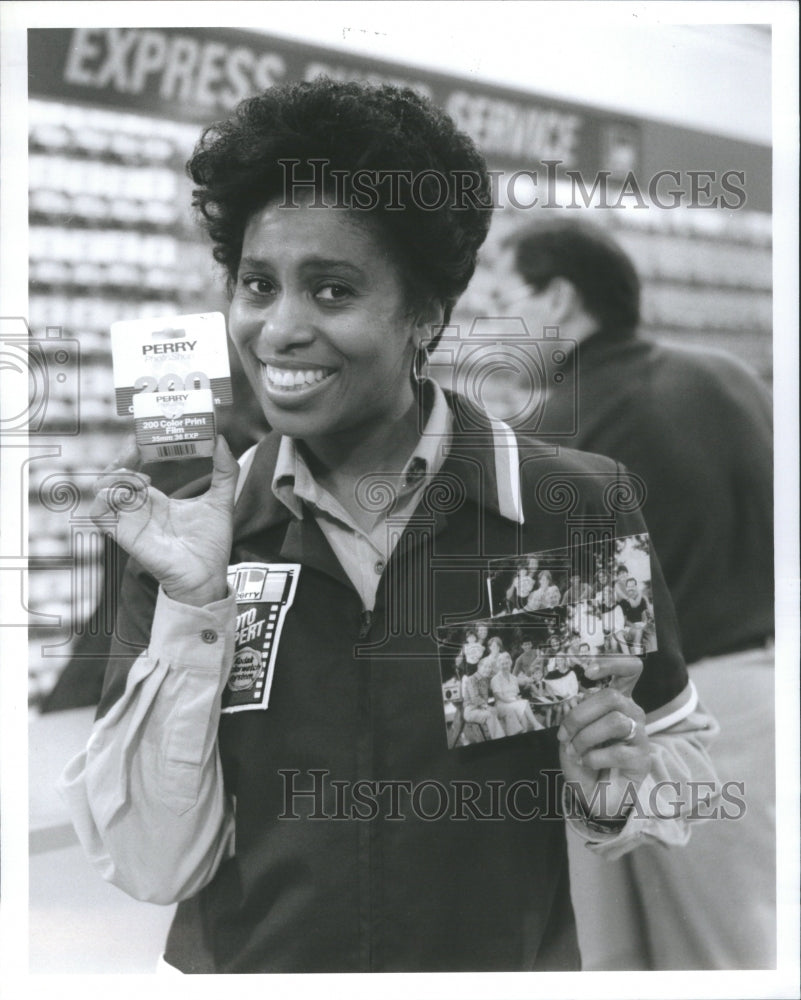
696 427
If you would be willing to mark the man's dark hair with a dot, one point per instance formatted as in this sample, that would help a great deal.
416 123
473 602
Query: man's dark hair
591 260
352 127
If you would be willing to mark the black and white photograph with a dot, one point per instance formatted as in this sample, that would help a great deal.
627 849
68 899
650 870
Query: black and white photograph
514 676
600 592
398 567
555 613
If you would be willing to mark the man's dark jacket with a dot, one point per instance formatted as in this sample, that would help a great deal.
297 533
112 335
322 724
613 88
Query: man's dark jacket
696 426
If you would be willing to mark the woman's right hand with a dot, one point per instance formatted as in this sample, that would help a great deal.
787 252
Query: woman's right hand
184 544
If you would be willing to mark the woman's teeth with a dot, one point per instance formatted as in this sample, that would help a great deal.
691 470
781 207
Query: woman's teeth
283 378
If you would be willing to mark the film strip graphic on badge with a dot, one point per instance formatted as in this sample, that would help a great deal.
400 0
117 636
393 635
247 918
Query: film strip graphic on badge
264 594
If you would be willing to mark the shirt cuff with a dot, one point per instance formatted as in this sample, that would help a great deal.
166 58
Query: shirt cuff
193 636
651 815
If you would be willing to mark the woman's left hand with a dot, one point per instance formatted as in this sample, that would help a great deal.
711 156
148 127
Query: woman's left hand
603 738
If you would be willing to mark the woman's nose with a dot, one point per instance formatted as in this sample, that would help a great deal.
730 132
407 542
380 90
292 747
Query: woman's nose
287 323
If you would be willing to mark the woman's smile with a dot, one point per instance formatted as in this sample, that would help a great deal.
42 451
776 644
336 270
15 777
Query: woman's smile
287 385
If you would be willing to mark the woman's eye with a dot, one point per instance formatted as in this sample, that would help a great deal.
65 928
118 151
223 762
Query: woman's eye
332 292
259 286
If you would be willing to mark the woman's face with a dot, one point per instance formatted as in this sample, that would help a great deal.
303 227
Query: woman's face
320 321
473 652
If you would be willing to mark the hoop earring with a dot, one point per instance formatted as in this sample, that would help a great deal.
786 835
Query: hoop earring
418 364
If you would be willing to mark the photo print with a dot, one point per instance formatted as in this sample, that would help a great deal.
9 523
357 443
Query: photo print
553 613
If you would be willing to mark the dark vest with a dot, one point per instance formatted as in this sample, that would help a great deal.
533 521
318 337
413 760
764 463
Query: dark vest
482 886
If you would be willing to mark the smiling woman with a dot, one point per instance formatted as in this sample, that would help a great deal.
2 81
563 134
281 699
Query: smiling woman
276 666
341 272
320 319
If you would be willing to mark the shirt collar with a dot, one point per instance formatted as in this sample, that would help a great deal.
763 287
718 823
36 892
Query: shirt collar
473 457
293 482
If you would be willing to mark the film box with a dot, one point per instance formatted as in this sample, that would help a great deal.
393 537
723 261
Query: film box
172 425
170 354
170 372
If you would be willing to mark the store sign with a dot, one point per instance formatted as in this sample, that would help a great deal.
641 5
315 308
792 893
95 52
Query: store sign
199 74
168 67
516 129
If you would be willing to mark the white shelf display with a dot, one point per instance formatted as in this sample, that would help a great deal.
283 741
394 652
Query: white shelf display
111 237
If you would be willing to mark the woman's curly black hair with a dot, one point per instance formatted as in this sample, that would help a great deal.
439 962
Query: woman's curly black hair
435 211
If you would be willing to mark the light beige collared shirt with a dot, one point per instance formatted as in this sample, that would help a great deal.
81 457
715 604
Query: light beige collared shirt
363 554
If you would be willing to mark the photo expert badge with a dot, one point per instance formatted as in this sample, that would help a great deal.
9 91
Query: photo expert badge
264 593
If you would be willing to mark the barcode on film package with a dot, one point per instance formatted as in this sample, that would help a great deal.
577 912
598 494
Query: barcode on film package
176 450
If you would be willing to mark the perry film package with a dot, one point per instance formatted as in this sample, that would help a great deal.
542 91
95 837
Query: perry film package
170 373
